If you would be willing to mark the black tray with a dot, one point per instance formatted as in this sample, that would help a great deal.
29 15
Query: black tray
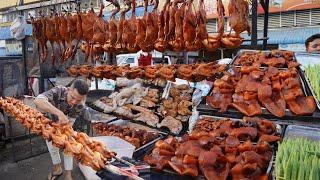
289 118
174 175
94 95
241 51
205 109
185 127
280 127
141 150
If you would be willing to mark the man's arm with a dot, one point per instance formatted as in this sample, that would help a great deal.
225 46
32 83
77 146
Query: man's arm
43 100
44 105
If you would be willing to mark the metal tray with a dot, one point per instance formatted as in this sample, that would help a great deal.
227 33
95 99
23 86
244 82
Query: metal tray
280 128
139 151
94 95
241 51
309 88
171 173
294 131
185 125
205 109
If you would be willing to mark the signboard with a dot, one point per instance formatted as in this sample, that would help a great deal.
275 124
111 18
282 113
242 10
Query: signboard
290 5
274 6
13 47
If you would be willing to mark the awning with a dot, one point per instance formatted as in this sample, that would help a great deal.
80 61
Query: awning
286 35
5 32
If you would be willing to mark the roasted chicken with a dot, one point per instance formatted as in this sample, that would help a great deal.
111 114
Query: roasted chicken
79 145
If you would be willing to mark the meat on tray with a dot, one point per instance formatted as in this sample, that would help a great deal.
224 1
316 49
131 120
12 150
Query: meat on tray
275 58
136 103
190 72
215 150
137 137
250 88
249 128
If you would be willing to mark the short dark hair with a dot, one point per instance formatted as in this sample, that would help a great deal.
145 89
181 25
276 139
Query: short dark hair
311 38
81 86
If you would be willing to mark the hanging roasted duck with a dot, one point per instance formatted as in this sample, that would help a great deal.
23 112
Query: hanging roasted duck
178 42
38 32
210 43
52 33
170 17
161 43
239 12
190 24
120 45
141 29
100 35
88 20
74 26
130 31
110 44
152 27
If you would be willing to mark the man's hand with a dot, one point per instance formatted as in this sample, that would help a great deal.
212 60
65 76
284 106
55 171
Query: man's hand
63 119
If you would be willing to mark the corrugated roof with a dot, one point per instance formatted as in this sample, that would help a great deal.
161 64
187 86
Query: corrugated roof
286 36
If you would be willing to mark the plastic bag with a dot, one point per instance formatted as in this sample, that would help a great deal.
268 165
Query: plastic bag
17 29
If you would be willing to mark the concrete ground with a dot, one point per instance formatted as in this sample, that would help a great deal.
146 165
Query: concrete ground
35 168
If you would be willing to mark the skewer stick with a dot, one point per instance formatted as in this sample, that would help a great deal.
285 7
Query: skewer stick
120 171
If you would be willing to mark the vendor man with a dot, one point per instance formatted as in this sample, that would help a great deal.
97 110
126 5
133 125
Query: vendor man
63 104
313 44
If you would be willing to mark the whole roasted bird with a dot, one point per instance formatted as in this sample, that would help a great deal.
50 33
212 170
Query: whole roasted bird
110 44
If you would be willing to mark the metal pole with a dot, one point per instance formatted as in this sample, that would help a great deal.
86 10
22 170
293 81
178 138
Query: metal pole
254 19
265 26
23 42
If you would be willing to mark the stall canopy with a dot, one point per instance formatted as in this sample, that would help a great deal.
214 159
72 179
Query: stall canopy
286 35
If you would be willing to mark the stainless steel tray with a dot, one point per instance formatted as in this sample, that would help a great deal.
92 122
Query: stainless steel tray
294 131
310 88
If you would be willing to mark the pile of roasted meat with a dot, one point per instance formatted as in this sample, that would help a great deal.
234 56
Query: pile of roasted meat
219 150
79 145
132 103
137 137
275 58
176 108
249 88
190 72
178 26
138 103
